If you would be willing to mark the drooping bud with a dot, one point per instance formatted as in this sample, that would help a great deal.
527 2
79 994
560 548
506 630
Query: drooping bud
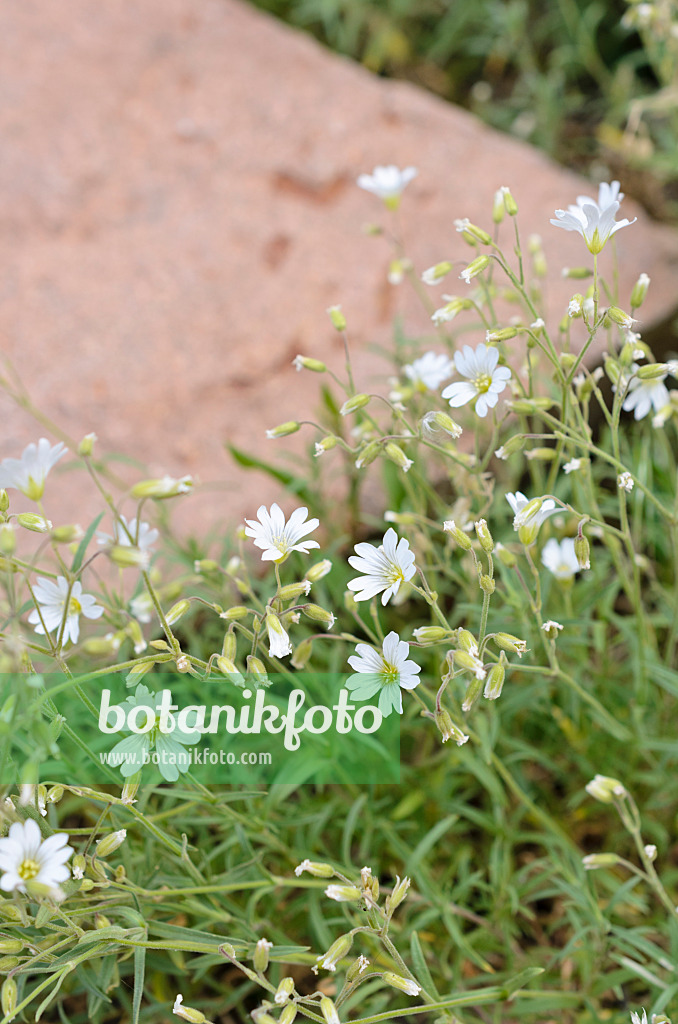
447 729
430 634
474 268
33 522
461 538
605 789
177 611
639 291
261 955
283 429
284 990
582 551
404 984
473 691
354 403
395 453
435 274
7 539
337 951
167 487
316 868
106 846
652 371
368 454
506 556
599 860
337 317
494 681
302 654
317 571
508 642
329 1011
304 363
484 536
505 334
318 614
618 316
343 893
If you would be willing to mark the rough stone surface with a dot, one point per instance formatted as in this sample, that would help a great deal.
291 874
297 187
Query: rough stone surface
178 209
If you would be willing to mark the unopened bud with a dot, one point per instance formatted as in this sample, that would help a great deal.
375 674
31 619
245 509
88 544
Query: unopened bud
283 429
318 614
256 667
238 611
4 500
474 268
167 487
541 454
337 317
189 1013
326 444
612 370
227 667
487 584
508 642
484 536
498 207
395 453
67 534
302 654
7 539
461 538
202 566
8 997
473 691
11 946
109 843
577 273
317 571
177 611
652 371
33 522
513 445
605 789
86 446
467 642
304 363
599 860
509 202
397 896
447 729
289 1012
494 681
404 984
470 662
368 454
329 1011
337 951
582 551
284 991
127 557
354 403
261 955
436 273
506 556
639 291
505 334
318 869
650 851
130 789
343 893
430 634
443 422
618 316
529 406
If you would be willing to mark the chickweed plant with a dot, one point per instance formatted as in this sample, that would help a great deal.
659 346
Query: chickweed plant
511 604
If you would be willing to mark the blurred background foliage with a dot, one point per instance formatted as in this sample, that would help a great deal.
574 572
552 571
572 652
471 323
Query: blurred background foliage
594 84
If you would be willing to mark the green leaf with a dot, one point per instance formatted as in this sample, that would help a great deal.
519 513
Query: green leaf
421 970
82 546
519 981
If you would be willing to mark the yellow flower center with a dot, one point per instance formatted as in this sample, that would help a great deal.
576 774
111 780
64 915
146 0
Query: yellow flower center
34 489
28 869
482 383
74 606
389 673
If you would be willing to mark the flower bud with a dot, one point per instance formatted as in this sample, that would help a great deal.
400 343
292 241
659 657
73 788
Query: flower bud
227 667
283 429
605 789
395 453
652 371
404 984
436 273
12 946
167 487
7 539
130 789
8 996
188 1013
284 991
337 317
337 951
317 571
447 729
256 668
354 403
33 522
509 202
529 406
639 291
508 642
357 968
4 501
261 955
473 691
318 614
177 611
513 445
467 642
469 662
67 534
343 893
474 268
109 843
368 454
86 446
599 860
316 868
541 454
506 556
326 445
650 851
203 566
329 1010
582 551
443 422
487 584
430 634
484 536
291 591
498 207
304 363
289 1012
128 557
618 316
505 334
238 611
494 681
461 538
302 654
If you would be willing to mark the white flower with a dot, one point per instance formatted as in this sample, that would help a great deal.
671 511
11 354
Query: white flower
383 672
52 599
572 466
278 538
485 380
384 568
560 559
387 182
361 963
594 220
28 473
551 626
518 503
146 538
644 395
429 371
25 857
279 645
637 1019
625 482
